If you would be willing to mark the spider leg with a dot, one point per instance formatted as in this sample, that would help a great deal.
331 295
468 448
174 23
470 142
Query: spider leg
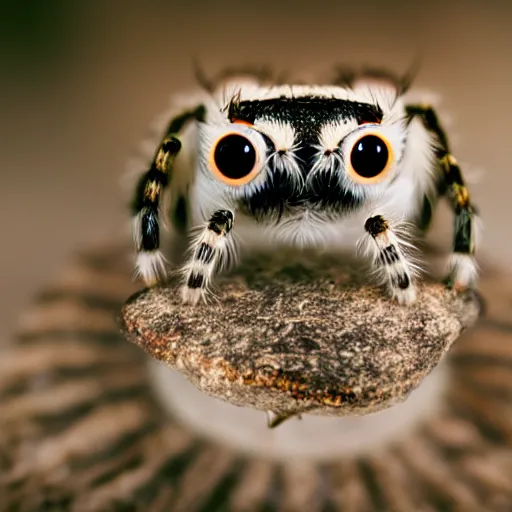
152 184
391 262
463 269
212 250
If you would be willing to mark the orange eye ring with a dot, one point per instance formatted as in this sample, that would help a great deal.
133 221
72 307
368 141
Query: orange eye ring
242 122
234 159
371 158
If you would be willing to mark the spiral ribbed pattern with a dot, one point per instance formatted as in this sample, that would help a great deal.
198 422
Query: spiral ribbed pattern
81 431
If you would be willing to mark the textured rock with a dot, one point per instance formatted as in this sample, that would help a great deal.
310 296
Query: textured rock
294 334
82 430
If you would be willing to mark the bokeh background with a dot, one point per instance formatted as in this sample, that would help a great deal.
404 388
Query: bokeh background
81 81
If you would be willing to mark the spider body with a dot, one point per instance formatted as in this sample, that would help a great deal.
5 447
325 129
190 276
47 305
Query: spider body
350 165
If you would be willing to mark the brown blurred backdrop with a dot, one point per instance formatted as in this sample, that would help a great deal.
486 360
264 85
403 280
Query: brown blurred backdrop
81 81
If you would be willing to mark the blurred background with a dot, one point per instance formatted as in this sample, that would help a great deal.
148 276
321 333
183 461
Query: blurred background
81 81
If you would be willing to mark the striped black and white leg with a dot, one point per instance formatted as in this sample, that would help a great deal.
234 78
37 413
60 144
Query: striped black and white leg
150 263
463 270
392 265
212 250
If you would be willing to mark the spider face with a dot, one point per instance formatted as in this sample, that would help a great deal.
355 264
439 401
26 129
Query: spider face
282 156
308 163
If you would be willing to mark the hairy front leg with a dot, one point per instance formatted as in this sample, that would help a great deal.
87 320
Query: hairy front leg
391 262
211 251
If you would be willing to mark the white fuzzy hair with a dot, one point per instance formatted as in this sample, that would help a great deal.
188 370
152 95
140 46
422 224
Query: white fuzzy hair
402 191
398 196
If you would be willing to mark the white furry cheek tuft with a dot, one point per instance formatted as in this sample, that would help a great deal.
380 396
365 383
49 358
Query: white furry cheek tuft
286 163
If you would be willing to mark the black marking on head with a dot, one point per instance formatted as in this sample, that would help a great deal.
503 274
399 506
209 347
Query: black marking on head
279 196
306 114
326 192
376 225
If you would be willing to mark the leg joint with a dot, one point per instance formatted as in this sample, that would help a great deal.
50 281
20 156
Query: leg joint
376 225
221 222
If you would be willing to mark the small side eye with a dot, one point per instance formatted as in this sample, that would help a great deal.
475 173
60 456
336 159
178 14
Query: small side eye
370 158
234 159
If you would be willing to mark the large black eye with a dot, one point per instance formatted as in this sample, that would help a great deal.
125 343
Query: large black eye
234 158
369 157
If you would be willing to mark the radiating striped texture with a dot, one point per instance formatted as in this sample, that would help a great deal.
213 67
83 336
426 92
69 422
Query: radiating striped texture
79 429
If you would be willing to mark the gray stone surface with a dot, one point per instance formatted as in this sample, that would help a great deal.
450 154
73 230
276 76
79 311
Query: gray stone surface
294 334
